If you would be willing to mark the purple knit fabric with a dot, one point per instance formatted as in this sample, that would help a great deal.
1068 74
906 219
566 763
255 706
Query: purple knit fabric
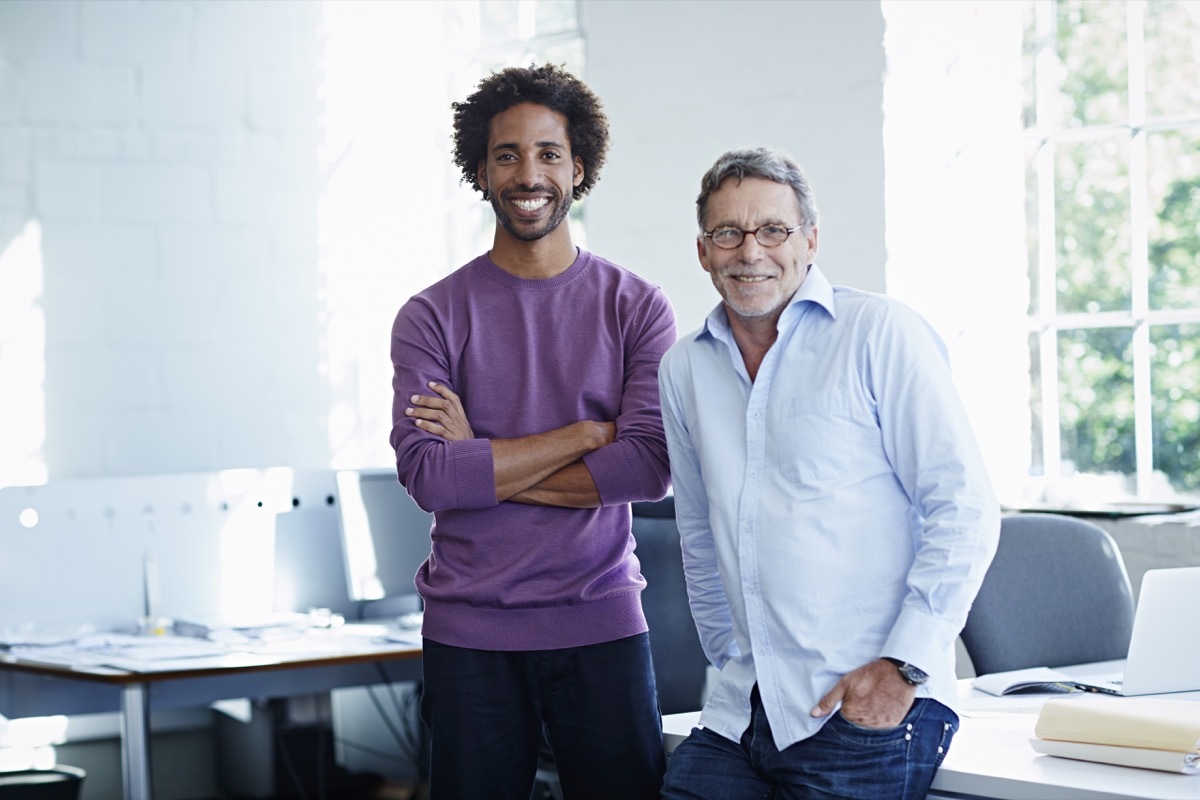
528 356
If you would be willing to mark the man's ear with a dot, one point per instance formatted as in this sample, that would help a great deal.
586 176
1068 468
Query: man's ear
481 175
702 253
579 171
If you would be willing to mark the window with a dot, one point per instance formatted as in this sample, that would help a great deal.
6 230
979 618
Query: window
1112 126
510 33
1042 164
394 217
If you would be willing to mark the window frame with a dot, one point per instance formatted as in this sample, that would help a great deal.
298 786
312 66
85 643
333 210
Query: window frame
1045 135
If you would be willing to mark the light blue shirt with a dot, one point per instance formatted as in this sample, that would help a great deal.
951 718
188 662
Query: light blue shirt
832 511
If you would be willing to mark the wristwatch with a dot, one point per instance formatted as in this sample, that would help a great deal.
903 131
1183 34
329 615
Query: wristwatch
914 675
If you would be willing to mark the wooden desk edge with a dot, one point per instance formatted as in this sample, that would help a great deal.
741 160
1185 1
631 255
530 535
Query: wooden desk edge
118 677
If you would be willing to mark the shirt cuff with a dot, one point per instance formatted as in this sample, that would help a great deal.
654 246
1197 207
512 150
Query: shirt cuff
610 470
919 639
474 473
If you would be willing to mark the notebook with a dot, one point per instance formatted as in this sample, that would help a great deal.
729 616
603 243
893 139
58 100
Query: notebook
1164 650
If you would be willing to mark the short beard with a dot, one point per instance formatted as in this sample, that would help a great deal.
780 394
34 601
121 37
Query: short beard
561 209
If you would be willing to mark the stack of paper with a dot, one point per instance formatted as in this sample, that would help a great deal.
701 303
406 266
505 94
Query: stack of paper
1133 732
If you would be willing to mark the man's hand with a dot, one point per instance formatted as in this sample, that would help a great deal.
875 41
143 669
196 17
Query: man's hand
874 696
521 464
443 416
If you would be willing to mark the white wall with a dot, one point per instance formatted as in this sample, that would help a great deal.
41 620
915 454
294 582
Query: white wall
806 77
168 155
166 152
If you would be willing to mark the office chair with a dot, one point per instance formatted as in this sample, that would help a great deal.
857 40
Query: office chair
58 783
680 665
1055 594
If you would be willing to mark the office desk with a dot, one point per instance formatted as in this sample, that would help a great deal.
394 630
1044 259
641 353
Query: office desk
991 757
340 659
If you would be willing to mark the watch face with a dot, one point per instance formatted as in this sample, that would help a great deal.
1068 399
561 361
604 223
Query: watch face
913 675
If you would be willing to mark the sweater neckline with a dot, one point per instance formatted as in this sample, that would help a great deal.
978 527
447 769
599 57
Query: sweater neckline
490 268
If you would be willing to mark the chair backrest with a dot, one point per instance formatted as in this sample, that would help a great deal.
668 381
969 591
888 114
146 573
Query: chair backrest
58 783
1055 594
679 662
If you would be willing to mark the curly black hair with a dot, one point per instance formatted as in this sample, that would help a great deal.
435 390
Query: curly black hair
548 85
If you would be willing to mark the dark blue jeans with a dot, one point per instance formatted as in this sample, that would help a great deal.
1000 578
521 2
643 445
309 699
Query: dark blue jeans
842 760
486 712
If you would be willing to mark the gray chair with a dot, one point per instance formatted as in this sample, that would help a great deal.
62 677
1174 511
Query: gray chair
61 782
680 665
1056 594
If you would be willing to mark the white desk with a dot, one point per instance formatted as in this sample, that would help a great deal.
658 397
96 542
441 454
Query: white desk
29 688
990 757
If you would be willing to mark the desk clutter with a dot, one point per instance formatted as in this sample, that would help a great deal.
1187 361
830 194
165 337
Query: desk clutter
217 648
1150 733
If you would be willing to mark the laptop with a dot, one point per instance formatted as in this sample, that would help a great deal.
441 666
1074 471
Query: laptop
1164 650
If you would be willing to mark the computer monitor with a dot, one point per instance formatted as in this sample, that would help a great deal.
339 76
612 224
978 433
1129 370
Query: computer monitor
385 539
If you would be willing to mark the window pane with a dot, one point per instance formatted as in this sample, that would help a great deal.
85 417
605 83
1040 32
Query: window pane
1092 222
499 22
567 54
1037 456
1175 378
1032 230
1172 31
1096 400
1173 163
1091 46
554 16
1030 45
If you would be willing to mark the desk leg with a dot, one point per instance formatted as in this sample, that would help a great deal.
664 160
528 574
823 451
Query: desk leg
135 741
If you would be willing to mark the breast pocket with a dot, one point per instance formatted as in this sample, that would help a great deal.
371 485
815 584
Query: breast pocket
821 434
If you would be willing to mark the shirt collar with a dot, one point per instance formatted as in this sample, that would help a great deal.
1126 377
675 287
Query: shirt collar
815 289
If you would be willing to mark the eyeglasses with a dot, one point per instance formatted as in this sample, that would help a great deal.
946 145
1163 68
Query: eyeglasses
771 235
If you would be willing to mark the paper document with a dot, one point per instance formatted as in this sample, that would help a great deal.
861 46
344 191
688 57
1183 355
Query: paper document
1144 758
124 651
1172 725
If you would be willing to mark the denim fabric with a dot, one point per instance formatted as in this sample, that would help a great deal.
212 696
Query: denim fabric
842 760
486 712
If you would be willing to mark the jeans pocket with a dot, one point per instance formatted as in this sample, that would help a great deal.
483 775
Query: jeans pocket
861 735
948 731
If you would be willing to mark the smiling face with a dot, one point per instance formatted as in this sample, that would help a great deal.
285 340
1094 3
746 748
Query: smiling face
529 172
756 282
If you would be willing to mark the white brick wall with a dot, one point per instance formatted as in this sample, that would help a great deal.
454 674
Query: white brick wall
168 152
122 32
79 94
31 30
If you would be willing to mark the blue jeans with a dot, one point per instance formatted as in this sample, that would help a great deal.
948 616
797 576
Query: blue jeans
597 705
842 760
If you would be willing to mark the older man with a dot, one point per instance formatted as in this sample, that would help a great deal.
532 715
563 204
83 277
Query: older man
835 512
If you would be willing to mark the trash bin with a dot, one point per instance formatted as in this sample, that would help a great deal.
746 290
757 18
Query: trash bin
57 783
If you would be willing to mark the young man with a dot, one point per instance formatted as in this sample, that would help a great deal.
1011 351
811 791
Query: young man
835 514
526 417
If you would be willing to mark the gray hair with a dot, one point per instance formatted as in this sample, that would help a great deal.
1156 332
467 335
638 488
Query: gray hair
759 162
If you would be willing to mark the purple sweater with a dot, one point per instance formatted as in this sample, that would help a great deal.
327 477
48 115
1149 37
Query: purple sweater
528 356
